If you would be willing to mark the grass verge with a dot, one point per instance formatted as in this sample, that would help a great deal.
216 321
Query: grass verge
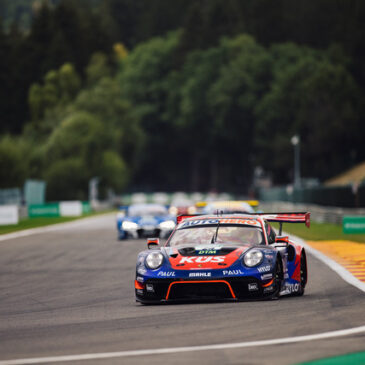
28 223
321 232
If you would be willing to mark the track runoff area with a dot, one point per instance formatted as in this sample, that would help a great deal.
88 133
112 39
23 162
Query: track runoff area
80 240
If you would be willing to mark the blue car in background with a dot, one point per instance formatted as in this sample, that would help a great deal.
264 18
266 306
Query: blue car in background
145 220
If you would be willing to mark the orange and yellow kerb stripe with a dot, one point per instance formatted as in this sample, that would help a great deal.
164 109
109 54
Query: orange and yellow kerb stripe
351 255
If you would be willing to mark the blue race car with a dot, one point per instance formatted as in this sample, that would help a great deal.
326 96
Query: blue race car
142 220
232 256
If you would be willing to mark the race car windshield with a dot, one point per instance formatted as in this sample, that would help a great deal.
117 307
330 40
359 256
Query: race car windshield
147 210
225 235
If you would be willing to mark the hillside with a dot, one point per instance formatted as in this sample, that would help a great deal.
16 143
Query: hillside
354 175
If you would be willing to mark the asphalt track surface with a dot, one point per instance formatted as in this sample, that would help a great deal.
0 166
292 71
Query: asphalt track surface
70 291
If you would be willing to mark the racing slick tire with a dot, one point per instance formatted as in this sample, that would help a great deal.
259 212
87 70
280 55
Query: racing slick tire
278 278
303 274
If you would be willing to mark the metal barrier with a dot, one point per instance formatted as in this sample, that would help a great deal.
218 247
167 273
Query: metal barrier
349 196
10 196
320 214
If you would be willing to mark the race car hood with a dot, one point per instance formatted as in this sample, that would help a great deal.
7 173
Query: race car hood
203 257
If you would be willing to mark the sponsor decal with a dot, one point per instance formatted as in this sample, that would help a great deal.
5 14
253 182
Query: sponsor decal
141 270
292 288
253 286
232 272
201 259
139 291
199 222
205 247
150 288
140 279
264 268
286 276
167 274
269 256
206 252
266 276
249 222
200 274
269 289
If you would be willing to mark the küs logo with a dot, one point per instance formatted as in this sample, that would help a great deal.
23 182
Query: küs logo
201 259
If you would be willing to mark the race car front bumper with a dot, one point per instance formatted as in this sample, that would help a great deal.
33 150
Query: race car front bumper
232 288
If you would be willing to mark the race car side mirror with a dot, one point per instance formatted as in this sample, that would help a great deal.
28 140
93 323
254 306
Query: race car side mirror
282 240
152 242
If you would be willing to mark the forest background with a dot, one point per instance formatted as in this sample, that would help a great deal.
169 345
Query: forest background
183 95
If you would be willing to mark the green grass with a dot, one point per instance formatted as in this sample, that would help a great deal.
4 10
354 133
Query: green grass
321 232
43 221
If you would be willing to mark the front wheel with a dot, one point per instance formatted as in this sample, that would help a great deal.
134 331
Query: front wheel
278 278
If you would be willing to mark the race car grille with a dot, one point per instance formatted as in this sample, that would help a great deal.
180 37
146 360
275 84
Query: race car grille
144 233
240 286
218 289
222 288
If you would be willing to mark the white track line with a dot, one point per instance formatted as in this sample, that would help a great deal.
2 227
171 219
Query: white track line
52 227
108 355
340 270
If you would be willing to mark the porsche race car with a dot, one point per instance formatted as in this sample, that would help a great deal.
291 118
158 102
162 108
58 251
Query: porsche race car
223 257
142 220
228 207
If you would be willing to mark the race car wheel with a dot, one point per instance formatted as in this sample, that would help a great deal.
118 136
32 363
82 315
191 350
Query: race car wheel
278 277
303 274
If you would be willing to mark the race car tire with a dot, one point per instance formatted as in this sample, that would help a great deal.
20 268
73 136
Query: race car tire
278 277
303 274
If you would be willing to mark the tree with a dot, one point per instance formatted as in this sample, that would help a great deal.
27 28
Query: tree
143 78
79 149
59 88
13 162
314 96
243 78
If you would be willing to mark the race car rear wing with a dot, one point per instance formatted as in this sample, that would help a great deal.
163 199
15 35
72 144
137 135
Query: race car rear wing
180 218
296 217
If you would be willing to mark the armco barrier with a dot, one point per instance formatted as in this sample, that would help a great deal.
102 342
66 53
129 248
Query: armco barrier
319 213
9 214
330 196
44 210
61 209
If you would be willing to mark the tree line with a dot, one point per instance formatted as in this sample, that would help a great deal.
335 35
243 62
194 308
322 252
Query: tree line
185 96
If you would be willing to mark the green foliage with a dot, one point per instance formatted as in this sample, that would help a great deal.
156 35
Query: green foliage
67 179
114 171
58 89
82 135
79 149
311 95
13 162
105 100
98 68
145 84
206 91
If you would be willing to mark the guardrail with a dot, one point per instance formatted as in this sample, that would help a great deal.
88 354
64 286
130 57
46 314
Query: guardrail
320 214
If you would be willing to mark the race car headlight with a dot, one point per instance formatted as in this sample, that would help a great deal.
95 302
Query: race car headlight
167 225
253 258
154 260
129 225
120 215
173 211
191 210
